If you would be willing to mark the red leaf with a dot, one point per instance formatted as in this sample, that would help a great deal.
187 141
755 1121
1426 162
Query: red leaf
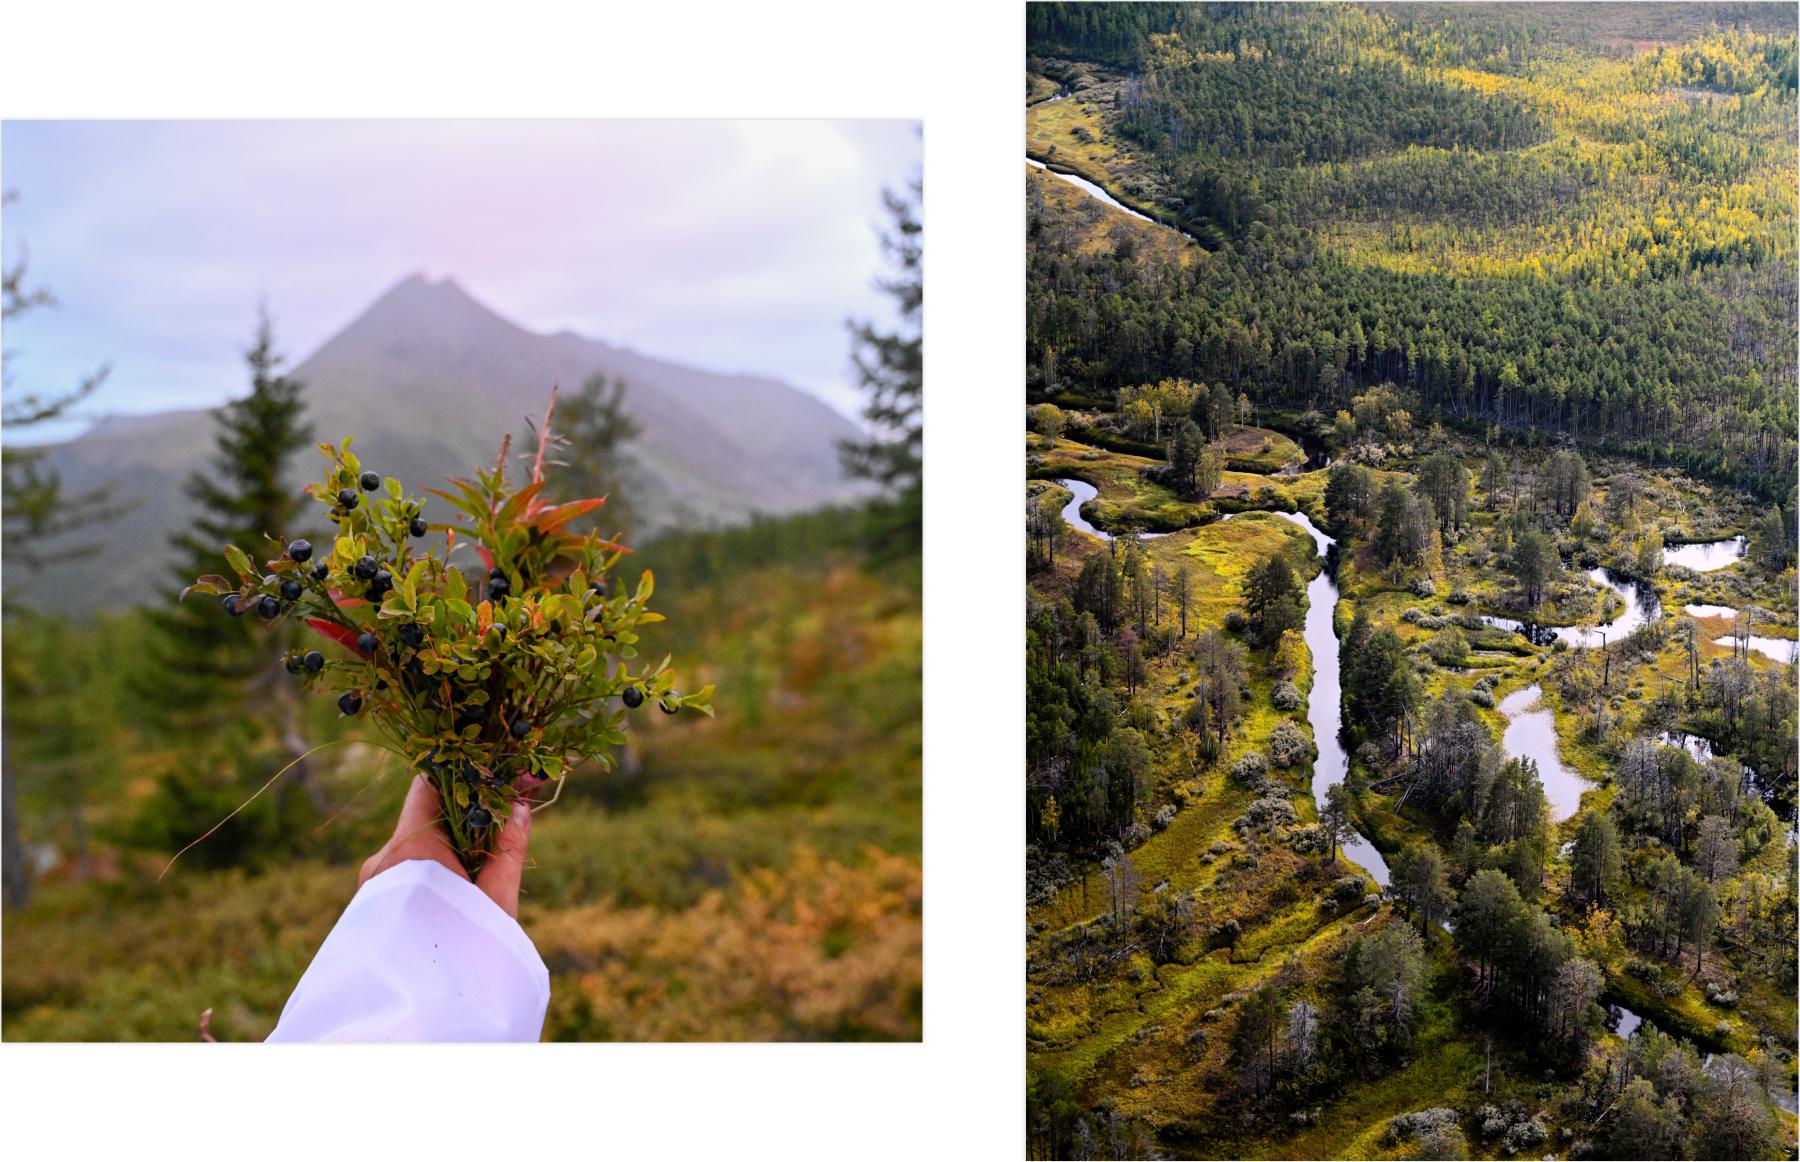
555 516
336 633
487 558
516 504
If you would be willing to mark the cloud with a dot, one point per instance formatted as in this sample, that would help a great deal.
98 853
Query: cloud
731 245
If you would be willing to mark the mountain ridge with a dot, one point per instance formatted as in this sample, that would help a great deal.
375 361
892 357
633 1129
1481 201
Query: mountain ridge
427 378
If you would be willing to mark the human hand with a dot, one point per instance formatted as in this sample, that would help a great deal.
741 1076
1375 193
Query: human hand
420 834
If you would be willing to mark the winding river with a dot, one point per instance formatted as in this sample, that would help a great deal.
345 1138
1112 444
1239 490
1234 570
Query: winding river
1082 493
1324 708
1100 195
1641 605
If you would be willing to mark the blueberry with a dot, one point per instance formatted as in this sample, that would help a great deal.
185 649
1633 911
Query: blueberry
633 697
269 607
419 527
472 716
598 587
381 683
321 571
671 702
498 587
413 634
366 642
370 482
347 499
314 661
478 818
290 590
380 583
350 702
230 602
300 551
520 727
365 567
291 663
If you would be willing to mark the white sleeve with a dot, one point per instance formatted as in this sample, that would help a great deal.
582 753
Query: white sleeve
420 955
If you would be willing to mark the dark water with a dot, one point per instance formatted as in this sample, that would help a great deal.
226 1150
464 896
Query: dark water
1314 448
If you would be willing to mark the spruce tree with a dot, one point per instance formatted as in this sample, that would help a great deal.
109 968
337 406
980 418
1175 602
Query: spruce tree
39 523
891 370
592 428
206 656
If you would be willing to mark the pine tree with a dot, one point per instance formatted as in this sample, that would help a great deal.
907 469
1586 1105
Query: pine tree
890 367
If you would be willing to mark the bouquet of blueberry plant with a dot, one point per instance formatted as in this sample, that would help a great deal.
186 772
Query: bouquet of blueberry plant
491 681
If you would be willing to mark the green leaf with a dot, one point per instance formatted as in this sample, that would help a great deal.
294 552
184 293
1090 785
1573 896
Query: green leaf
410 586
239 562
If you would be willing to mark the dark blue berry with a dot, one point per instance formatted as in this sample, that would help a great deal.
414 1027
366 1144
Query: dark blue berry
633 697
499 587
381 583
314 661
365 567
269 607
478 818
300 551
321 571
291 663
347 499
598 587
366 642
350 702
230 602
290 590
413 634
370 482
419 527
520 727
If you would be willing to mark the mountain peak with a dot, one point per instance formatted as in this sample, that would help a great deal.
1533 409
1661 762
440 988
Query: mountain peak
420 287
419 308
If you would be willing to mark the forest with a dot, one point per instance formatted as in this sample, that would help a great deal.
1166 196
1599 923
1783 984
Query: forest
1411 609
1521 233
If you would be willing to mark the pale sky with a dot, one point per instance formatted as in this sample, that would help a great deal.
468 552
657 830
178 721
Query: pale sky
732 246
